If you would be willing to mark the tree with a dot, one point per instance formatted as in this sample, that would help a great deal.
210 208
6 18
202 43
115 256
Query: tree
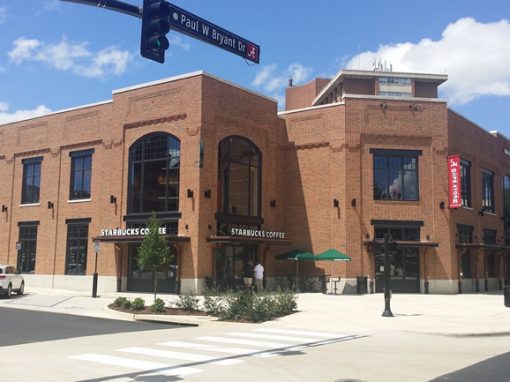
154 251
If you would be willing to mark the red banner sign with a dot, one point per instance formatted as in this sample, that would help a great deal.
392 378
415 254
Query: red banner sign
454 184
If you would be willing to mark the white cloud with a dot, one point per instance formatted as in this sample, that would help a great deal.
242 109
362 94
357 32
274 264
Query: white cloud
3 15
177 41
272 82
475 56
69 56
19 115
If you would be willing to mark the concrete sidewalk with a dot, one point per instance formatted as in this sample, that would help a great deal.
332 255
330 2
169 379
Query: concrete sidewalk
482 314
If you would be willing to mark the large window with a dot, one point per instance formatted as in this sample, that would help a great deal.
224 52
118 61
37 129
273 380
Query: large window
77 245
396 174
239 177
488 191
465 182
506 208
465 235
81 174
31 180
154 174
28 241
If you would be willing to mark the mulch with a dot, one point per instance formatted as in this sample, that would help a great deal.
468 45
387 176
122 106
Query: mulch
166 311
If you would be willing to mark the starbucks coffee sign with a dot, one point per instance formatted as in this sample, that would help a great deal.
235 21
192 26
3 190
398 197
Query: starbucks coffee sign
129 232
264 234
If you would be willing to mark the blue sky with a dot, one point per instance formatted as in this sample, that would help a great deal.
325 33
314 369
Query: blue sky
56 55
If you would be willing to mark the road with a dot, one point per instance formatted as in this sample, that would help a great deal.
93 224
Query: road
58 348
26 326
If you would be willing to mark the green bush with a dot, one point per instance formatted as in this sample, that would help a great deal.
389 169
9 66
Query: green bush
120 301
158 306
138 304
244 305
188 302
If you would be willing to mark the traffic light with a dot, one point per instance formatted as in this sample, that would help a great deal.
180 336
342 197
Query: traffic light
155 26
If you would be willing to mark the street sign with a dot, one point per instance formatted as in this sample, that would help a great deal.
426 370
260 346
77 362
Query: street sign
194 26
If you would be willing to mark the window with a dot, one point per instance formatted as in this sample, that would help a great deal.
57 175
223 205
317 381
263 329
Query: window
239 177
465 182
506 208
395 87
31 180
77 240
28 240
465 235
488 191
396 174
81 173
154 164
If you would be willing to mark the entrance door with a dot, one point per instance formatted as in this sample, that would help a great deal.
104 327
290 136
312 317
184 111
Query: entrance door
229 262
139 280
404 271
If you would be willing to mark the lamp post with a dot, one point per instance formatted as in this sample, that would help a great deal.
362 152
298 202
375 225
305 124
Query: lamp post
94 276
387 292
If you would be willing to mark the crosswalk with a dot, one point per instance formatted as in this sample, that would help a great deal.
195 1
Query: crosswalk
182 358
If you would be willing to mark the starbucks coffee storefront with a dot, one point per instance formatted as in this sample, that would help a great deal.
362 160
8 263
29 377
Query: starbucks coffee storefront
233 181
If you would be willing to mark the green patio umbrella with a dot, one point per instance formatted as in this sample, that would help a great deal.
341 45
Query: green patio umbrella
332 255
297 255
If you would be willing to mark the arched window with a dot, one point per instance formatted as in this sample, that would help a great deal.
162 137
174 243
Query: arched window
239 177
154 162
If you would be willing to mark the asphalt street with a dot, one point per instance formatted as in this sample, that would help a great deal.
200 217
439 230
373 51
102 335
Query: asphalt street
25 326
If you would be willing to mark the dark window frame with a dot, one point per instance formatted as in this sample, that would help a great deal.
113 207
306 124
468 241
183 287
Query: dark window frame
32 169
77 237
465 182
83 173
383 161
27 232
140 157
225 161
488 200
506 208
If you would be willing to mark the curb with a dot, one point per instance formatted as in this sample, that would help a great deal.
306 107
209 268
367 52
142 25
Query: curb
164 319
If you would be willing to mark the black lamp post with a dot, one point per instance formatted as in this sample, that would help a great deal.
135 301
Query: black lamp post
387 292
94 276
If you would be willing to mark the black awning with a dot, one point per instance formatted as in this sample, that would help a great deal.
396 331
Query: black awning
403 243
239 240
138 239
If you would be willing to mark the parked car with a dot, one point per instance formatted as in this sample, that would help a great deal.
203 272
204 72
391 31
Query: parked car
10 280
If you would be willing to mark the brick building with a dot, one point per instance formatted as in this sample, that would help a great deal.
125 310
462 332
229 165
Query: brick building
233 182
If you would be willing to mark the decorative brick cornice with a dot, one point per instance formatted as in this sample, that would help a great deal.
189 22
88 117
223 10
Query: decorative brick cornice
172 118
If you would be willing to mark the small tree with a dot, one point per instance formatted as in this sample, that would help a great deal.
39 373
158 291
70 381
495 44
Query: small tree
154 251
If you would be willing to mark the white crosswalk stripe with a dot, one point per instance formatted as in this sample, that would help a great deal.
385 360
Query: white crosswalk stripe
263 344
162 368
270 337
177 355
207 348
302 333
259 342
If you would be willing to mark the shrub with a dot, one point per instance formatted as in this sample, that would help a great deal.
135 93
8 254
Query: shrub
158 305
188 302
285 302
138 304
120 301
214 301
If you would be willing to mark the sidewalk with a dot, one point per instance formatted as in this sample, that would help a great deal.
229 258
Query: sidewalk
482 314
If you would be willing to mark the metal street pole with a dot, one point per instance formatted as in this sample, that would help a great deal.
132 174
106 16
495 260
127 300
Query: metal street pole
387 291
95 276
